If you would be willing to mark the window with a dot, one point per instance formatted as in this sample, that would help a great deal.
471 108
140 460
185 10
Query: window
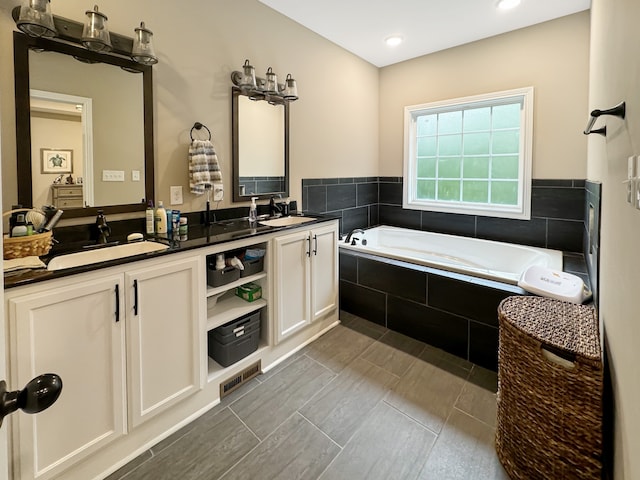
470 155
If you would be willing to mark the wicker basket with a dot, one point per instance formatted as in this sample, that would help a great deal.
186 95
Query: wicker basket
18 247
550 383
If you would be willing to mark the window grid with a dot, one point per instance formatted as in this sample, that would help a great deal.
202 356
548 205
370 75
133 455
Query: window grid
461 178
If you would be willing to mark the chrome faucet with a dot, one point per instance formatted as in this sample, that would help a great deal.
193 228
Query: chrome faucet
355 230
104 230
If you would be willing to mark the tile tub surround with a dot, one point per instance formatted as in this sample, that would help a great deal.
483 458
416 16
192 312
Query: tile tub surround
557 211
451 311
384 390
454 312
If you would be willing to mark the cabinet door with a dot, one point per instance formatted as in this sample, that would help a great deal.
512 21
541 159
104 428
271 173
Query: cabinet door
324 268
292 278
72 331
163 331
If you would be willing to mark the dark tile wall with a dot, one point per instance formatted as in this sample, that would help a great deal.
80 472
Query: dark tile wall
443 309
354 200
557 211
592 234
259 185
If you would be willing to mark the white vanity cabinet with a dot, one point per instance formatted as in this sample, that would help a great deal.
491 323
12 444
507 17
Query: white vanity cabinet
127 346
76 332
163 359
306 277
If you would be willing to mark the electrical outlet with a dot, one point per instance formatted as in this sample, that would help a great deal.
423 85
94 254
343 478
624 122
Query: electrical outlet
176 195
218 192
113 175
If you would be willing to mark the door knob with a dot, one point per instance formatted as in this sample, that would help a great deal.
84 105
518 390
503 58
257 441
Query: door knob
38 395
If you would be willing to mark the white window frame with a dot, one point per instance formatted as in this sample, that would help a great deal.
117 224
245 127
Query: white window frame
523 208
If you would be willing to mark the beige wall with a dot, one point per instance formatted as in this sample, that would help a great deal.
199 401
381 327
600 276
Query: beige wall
553 57
615 76
53 131
334 128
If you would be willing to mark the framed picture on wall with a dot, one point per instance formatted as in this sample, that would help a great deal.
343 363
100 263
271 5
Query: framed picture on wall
56 160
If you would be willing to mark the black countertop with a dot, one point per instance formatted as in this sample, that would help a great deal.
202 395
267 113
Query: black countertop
198 236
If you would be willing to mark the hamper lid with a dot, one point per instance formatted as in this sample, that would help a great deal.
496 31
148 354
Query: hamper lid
567 326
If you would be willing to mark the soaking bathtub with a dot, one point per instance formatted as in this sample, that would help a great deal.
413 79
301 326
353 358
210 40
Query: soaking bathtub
503 262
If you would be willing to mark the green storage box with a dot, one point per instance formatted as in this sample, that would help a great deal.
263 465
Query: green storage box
249 291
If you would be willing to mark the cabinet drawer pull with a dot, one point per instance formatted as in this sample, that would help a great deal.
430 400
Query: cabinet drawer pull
117 303
308 252
135 297
315 245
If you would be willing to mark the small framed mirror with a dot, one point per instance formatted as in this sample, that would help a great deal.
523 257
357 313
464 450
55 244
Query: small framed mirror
260 141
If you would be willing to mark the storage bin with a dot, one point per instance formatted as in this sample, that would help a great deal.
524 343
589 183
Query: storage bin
550 384
217 278
249 292
251 267
235 340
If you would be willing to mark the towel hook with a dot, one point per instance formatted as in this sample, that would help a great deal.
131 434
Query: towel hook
199 126
618 111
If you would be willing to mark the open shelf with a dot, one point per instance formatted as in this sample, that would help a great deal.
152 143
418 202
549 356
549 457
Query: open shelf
231 308
215 370
211 291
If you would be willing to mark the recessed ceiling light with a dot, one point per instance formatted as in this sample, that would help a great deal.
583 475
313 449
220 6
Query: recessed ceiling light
507 4
393 41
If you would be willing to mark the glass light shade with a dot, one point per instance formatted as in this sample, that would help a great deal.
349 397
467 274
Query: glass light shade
95 34
290 91
248 80
36 19
142 51
271 82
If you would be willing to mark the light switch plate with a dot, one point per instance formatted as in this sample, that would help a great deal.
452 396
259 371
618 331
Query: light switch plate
135 175
218 192
113 175
176 195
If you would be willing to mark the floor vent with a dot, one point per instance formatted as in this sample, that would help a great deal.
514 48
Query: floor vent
244 376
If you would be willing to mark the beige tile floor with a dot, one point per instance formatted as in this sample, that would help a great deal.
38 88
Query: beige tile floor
361 402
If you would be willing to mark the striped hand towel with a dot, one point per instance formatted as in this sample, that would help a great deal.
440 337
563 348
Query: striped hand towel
203 166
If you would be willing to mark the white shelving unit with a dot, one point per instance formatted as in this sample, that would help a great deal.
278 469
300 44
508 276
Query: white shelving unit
223 306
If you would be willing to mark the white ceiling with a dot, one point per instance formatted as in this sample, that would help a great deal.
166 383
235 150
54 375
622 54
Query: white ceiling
427 26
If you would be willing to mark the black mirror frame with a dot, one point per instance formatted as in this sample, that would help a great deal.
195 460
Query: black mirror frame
21 45
235 93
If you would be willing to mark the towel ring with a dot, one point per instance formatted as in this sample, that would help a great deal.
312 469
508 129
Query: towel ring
199 126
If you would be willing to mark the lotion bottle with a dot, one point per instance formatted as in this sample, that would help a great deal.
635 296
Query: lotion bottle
161 218
253 210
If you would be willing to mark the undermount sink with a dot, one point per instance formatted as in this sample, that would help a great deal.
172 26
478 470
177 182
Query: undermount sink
286 221
104 254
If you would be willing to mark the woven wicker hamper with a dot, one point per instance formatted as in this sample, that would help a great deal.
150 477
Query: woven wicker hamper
550 373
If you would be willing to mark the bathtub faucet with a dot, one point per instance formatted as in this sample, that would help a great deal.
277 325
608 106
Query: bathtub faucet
355 230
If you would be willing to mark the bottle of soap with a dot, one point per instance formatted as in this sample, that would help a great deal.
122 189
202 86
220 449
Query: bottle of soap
20 227
253 210
161 218
150 218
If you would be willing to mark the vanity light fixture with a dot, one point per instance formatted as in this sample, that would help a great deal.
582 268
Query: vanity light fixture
507 4
35 18
290 91
268 88
271 82
248 79
95 34
143 51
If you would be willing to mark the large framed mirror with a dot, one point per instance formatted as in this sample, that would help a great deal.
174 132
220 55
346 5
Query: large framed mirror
260 141
84 128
